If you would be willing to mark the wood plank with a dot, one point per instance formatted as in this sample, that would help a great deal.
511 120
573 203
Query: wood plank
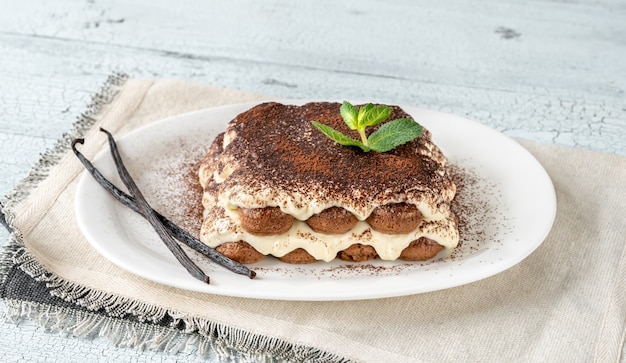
530 46
547 70
43 105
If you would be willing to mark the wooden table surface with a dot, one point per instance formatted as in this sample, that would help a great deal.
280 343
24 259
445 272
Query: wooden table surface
544 70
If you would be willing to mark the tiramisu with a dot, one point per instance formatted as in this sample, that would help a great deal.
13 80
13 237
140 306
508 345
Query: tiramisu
274 185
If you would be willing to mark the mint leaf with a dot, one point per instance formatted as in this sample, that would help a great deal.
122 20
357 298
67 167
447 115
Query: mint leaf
394 133
387 137
349 114
363 111
339 137
376 115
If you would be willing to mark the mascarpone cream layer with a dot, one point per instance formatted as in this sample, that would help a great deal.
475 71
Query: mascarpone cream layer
224 226
270 156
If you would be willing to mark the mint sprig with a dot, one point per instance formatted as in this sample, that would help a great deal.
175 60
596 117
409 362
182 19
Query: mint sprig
387 137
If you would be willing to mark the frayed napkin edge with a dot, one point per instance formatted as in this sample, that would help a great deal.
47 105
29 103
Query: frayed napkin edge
183 334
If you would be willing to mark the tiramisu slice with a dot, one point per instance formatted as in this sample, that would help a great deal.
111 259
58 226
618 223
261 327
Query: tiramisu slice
275 185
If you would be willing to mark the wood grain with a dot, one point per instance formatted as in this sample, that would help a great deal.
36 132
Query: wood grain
550 71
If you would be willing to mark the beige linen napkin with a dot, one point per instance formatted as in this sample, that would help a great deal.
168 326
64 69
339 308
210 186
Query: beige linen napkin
566 302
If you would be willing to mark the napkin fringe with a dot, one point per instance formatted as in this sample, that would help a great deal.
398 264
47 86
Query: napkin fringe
121 333
182 333
114 306
127 323
6 258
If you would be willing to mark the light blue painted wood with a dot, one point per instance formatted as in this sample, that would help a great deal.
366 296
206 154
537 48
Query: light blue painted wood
550 71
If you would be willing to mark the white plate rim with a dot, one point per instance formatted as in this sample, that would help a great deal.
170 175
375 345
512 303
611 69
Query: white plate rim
315 290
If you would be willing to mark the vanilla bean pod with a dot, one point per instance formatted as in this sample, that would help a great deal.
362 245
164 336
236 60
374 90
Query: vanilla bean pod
150 215
176 231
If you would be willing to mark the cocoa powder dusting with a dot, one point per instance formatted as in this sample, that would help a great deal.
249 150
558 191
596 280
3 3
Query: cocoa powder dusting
480 218
181 193
476 205
473 206
277 146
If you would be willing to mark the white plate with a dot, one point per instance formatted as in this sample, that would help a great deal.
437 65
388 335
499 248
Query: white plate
514 211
